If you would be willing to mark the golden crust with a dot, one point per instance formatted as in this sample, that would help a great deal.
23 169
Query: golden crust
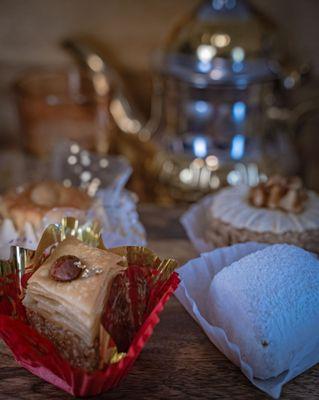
77 304
35 200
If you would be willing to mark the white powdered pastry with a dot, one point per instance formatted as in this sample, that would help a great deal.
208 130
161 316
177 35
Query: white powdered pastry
268 304
231 206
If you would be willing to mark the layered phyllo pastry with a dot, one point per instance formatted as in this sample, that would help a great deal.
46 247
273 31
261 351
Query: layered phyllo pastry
66 296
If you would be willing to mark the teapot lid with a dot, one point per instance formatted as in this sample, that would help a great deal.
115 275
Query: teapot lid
225 42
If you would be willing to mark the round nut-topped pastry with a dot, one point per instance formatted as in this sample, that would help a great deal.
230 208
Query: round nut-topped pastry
279 210
30 203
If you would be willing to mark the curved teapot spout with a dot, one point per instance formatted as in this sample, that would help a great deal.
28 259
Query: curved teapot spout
104 76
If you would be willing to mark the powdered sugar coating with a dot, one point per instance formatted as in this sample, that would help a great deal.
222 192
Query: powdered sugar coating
268 304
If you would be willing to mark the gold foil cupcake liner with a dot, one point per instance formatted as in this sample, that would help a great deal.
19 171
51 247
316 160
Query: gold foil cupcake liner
23 261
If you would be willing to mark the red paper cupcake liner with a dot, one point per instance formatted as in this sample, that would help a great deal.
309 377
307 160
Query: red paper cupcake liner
39 356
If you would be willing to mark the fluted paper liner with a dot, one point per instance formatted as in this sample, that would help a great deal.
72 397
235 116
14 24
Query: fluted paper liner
136 298
196 277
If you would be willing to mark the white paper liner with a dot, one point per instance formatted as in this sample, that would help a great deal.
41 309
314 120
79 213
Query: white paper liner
195 222
119 221
123 226
196 277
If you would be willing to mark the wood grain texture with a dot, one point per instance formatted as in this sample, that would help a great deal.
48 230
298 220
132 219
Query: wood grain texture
179 362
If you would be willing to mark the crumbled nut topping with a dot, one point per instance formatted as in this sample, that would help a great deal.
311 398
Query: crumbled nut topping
87 272
279 192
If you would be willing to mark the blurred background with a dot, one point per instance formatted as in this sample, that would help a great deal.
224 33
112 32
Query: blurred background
128 36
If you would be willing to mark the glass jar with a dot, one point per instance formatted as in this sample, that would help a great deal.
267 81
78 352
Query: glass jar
58 104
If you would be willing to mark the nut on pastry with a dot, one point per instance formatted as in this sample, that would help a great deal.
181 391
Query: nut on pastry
30 203
66 295
278 192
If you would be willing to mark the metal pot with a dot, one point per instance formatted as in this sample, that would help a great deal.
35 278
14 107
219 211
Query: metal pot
221 100
221 109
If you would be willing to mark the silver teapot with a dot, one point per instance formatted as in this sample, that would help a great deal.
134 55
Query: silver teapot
221 102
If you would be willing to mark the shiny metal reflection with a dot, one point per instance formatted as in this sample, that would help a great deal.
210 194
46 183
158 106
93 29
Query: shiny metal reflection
105 77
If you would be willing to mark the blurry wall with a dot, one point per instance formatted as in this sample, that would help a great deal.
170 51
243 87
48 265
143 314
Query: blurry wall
30 32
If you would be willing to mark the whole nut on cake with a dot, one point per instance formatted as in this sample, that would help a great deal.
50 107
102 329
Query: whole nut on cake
259 196
66 269
278 192
275 193
45 195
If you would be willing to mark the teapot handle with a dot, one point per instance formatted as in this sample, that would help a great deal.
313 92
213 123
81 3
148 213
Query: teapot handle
301 113
295 117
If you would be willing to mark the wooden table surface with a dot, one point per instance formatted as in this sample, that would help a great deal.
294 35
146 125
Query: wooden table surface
178 362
